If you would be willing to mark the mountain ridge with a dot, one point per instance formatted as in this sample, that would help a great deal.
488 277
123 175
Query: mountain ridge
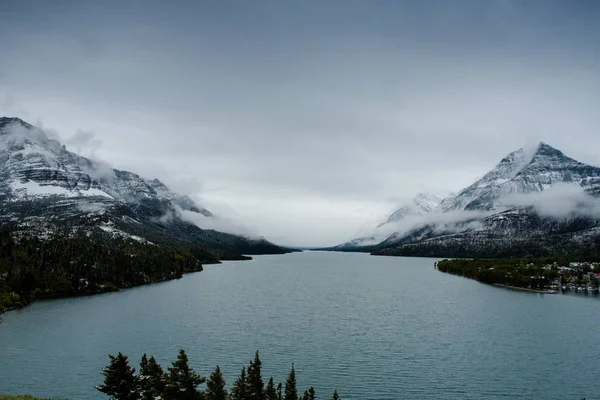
43 185
499 214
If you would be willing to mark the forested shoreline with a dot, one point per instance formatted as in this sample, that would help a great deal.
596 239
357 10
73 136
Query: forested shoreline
76 263
538 274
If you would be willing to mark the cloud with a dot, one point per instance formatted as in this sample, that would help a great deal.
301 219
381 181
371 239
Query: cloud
99 170
84 143
217 223
560 200
298 128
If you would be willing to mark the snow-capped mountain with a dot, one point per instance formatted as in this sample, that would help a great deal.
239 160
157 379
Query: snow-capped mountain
520 172
422 204
419 206
44 184
519 208
537 202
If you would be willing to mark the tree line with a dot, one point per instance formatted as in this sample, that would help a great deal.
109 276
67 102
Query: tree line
181 382
535 273
71 263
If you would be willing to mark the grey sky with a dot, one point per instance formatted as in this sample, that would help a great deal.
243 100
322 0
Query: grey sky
306 121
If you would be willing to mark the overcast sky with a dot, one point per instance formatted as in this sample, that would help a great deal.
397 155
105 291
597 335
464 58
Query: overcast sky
307 121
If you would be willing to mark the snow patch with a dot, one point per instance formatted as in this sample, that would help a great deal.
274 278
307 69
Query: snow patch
109 228
34 189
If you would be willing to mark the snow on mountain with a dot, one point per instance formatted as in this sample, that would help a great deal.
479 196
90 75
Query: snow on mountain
540 200
41 182
519 172
422 204
409 213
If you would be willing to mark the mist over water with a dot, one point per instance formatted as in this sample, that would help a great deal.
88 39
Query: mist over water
373 327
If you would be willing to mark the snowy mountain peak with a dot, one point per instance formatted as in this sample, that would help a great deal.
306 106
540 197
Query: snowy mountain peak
421 204
427 202
34 167
524 172
7 121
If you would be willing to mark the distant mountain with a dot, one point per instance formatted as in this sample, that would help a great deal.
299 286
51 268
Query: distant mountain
534 203
422 204
419 206
43 186
500 214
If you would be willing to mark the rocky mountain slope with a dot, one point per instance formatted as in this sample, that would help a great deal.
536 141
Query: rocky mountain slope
43 186
532 203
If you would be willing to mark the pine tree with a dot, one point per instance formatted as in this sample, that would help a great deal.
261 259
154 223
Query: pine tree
238 392
152 378
335 395
270 391
120 381
216 386
182 381
310 394
255 388
279 390
290 386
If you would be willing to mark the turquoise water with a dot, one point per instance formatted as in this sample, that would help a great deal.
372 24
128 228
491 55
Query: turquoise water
372 327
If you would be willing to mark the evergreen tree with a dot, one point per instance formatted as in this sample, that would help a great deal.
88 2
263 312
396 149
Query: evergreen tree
335 396
279 390
182 381
309 394
255 388
216 386
120 381
238 392
152 379
270 391
290 386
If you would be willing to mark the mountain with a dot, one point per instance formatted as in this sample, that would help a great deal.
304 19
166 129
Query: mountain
43 186
531 204
422 204
520 172
419 206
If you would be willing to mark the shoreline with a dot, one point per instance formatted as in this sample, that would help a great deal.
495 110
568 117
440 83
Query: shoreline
521 289
112 289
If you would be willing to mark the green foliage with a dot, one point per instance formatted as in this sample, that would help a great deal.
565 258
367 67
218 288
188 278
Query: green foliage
120 381
181 381
81 263
335 396
216 386
290 386
238 392
270 391
533 273
254 384
151 380
309 394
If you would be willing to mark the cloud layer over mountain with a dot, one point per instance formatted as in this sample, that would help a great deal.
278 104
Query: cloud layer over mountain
308 119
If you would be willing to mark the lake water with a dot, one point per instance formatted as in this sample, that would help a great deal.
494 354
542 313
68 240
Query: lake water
372 327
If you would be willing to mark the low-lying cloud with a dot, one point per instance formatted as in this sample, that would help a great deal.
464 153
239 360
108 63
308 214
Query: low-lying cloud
560 200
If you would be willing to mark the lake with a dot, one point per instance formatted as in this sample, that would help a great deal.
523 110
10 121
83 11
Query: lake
372 327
